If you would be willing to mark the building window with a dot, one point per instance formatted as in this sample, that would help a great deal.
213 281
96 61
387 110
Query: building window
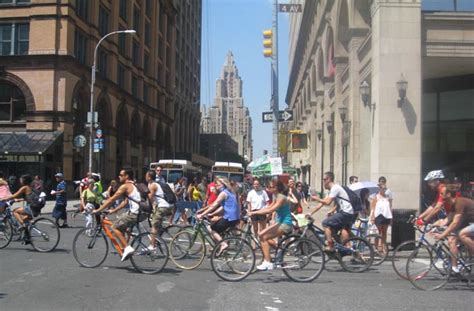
136 53
82 9
146 63
136 20
123 9
147 34
12 103
145 93
102 63
14 2
122 41
80 47
14 39
121 76
134 86
149 8
103 21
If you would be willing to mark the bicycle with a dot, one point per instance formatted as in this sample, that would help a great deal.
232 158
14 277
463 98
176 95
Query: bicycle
359 229
301 259
355 254
431 268
188 246
90 247
42 233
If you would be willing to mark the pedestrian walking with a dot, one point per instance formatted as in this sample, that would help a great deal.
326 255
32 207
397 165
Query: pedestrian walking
256 200
381 215
59 211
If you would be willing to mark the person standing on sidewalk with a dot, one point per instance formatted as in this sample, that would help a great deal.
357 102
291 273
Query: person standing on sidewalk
59 211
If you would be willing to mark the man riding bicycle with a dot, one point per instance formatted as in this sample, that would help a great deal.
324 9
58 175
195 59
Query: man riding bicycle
131 196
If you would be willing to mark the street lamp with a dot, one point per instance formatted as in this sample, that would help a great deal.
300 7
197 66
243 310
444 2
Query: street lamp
364 89
91 110
402 86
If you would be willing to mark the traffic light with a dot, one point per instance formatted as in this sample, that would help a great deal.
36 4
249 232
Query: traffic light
299 141
268 43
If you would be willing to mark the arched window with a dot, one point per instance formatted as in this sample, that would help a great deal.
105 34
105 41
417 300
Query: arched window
12 103
135 134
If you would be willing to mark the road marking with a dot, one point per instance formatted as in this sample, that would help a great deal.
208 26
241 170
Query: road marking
271 308
165 287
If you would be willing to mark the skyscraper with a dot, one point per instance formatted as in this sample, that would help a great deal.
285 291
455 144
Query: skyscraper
228 115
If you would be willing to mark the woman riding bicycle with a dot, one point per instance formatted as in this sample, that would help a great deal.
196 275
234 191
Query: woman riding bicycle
282 226
24 213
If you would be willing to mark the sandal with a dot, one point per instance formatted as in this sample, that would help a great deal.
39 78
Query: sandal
222 249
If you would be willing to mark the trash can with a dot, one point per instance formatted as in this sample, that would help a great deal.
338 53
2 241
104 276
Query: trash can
401 230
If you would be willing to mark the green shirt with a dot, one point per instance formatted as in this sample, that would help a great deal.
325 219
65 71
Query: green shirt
90 197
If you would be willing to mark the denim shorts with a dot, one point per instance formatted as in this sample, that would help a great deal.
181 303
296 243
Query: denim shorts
339 221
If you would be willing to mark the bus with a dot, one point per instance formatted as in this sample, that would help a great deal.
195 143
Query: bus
231 170
173 170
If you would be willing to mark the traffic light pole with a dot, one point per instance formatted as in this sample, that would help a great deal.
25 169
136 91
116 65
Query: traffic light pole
275 99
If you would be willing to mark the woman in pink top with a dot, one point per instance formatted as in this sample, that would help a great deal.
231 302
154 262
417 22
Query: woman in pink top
4 191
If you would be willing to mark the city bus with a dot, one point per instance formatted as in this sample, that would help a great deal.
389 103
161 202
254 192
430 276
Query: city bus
231 170
173 170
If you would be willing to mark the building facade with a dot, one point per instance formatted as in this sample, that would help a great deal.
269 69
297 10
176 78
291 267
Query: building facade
384 88
217 146
146 91
229 115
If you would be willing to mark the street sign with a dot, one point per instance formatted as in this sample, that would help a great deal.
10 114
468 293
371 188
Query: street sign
283 116
290 8
98 144
79 141
98 133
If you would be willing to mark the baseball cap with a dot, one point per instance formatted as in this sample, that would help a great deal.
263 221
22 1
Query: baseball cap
59 175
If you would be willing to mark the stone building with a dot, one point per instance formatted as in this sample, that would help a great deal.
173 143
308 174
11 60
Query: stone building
386 88
229 115
147 86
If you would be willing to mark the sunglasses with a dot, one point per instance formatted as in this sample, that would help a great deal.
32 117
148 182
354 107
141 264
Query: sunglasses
121 175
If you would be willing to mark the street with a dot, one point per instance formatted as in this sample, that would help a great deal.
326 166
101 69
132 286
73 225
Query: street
54 281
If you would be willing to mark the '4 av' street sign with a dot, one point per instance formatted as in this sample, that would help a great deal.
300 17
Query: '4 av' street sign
283 116
290 8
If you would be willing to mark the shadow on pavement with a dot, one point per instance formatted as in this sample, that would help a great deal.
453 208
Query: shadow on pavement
2 295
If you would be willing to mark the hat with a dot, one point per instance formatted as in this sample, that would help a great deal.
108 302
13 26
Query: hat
434 175
59 175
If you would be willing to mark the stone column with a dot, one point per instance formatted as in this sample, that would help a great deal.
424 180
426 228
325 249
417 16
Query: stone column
396 138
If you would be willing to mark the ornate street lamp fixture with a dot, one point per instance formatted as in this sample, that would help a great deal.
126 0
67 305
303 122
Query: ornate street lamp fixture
364 89
329 126
402 86
343 113
319 133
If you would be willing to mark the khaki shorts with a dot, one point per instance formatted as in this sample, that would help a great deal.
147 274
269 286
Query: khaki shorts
285 228
124 221
158 214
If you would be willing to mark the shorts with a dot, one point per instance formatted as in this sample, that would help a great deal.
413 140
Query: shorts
380 220
124 221
223 224
258 217
286 228
158 214
339 221
469 229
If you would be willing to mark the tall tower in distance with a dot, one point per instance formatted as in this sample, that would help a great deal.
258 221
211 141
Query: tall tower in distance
228 115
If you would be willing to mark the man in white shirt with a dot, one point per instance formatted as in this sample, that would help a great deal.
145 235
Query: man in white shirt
340 220
257 199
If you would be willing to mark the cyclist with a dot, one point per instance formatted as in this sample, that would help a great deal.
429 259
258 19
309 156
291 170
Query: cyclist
161 208
226 204
283 224
131 196
336 221
460 221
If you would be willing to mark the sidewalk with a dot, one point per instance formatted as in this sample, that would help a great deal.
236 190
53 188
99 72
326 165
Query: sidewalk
48 208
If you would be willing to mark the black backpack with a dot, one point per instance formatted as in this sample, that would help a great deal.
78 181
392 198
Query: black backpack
144 204
354 199
36 202
168 194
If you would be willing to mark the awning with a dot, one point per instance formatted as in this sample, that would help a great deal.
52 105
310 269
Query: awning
27 142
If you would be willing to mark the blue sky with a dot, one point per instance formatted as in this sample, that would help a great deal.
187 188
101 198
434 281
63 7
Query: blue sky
237 25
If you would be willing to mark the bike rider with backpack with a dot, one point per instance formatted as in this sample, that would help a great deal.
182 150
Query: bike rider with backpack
344 201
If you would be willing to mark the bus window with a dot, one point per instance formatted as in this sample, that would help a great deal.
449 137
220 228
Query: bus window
174 176
237 177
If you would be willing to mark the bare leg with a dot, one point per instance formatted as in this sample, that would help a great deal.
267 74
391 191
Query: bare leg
452 243
328 234
467 239
265 236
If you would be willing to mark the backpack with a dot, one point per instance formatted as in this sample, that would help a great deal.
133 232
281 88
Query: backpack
354 199
36 202
168 194
144 204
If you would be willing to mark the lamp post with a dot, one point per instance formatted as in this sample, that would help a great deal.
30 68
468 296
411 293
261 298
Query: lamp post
91 110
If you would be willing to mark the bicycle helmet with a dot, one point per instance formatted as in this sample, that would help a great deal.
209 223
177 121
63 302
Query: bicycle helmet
433 175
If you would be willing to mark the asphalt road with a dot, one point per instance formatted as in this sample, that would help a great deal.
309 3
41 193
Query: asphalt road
54 281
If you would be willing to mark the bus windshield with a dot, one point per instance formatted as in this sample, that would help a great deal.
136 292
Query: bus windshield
174 176
236 177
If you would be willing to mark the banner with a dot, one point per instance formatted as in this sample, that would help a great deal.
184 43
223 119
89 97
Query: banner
276 166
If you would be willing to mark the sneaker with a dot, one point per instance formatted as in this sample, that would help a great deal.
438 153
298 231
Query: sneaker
439 264
456 269
151 248
265 266
127 252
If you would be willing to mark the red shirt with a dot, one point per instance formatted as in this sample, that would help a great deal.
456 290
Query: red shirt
447 207
211 195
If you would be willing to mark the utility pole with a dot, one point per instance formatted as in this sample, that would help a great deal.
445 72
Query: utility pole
275 99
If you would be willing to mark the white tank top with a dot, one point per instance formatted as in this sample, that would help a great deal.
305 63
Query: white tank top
159 197
134 207
382 207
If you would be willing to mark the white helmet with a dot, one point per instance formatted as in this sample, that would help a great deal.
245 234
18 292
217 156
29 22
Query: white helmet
433 175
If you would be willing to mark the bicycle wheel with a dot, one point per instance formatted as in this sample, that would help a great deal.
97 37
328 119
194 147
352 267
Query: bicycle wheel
149 261
187 249
400 257
234 263
44 235
90 248
6 233
379 257
428 269
355 255
303 260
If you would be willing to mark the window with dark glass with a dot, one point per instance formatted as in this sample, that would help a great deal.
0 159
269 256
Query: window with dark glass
146 63
102 63
121 76
123 9
103 21
80 47
14 2
136 20
82 9
14 39
147 34
145 93
136 53
134 86
12 103
149 8
122 41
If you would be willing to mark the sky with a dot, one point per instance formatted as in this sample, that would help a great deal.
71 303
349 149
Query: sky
237 26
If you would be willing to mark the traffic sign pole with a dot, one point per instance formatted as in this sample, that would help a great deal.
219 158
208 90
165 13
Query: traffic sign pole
275 99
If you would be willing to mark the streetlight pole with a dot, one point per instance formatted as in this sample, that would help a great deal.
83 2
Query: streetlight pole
91 110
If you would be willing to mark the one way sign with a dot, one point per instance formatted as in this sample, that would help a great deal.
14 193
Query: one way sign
283 116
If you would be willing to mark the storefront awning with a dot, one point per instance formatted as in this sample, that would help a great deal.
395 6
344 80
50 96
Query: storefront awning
27 143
